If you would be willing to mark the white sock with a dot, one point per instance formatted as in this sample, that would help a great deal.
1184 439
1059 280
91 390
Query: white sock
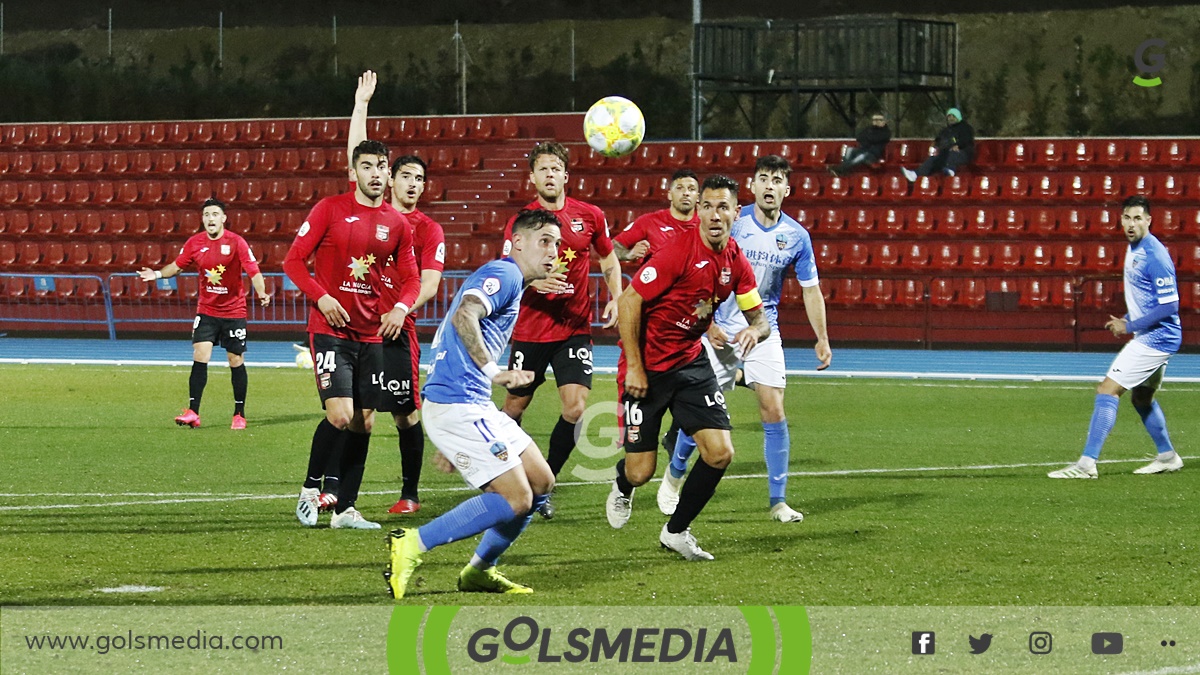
1086 462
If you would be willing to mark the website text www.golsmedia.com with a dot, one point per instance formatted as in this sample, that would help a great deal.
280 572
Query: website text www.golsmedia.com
129 641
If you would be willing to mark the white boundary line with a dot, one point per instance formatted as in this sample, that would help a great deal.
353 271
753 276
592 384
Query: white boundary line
202 497
605 370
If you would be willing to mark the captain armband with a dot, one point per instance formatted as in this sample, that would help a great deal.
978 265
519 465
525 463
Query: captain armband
749 300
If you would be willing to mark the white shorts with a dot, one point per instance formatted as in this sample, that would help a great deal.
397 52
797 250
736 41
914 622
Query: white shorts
763 365
480 440
1137 365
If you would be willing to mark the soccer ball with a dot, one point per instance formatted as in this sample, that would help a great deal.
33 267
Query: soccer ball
303 357
614 126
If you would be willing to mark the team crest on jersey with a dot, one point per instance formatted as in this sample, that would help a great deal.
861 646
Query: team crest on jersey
726 275
381 232
500 450
224 249
491 285
633 434
648 274
577 225
781 241
325 380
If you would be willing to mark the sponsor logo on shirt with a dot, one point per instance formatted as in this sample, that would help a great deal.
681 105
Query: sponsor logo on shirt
781 241
666 228
648 274
351 219
491 285
440 256
224 249
381 232
577 225
700 265
303 229
726 275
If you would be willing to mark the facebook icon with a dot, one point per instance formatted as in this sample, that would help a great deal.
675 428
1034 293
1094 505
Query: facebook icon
922 642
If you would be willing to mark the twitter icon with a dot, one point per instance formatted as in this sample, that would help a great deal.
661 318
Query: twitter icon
980 644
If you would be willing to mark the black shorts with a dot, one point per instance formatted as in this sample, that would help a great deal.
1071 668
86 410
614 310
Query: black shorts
229 333
401 374
571 359
690 392
347 369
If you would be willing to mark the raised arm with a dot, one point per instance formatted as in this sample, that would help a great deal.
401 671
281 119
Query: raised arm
358 118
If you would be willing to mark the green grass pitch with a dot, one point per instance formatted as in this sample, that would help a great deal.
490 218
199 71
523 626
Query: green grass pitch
915 493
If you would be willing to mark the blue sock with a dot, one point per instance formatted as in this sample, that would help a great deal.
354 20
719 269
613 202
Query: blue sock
1104 416
467 519
684 446
777 444
497 539
1156 426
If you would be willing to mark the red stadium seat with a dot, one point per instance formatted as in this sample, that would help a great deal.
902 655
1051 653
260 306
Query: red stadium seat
895 188
1015 186
238 161
1038 257
140 162
885 256
177 192
971 293
137 223
861 222
1077 187
163 223
165 161
8 253
1050 153
1012 222
946 256
109 134
213 161
916 256
864 187
984 187
28 254
66 222
808 187
1102 295
1042 222
1008 256
925 188
942 292
289 160
856 256
274 132
890 222
14 222
314 160
263 160
31 192
1068 257
83 135
833 221
77 255
1144 152
44 163
977 256
910 293
979 222
1189 259
1080 153
1112 153
43 223
1035 293
1100 257
1046 187
920 221
846 292
827 255
955 187
100 253
68 162
126 255
1019 153
879 292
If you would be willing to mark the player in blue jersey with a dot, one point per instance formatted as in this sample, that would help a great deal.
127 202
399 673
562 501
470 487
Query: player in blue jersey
773 242
487 447
1152 299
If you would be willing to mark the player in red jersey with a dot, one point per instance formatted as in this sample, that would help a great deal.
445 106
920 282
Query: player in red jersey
402 356
352 236
648 233
663 365
555 324
220 255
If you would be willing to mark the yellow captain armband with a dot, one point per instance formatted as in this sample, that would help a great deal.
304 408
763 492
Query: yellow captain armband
749 300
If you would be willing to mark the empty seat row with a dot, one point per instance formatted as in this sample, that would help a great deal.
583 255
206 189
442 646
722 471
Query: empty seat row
114 256
1087 152
1017 222
975 257
972 293
170 163
988 187
289 191
202 134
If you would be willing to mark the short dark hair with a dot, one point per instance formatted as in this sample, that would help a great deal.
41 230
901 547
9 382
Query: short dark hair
213 201
684 173
367 147
408 159
773 164
534 220
549 148
1136 200
720 182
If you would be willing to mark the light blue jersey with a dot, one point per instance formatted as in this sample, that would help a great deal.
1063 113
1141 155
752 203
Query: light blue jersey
1149 282
453 375
770 252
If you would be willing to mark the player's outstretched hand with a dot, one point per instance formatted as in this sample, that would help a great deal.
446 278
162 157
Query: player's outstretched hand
610 314
1116 325
717 337
555 282
513 378
392 323
745 340
824 354
335 314
636 384
146 274
366 87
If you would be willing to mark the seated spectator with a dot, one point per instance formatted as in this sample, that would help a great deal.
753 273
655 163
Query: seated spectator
872 144
954 147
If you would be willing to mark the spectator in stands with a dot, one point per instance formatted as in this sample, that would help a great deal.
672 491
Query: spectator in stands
1152 301
954 147
402 355
650 231
872 146
221 311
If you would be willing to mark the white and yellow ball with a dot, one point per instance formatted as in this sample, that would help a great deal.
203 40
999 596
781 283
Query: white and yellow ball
303 357
614 126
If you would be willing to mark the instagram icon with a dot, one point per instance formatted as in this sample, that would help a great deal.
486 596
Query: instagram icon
1040 642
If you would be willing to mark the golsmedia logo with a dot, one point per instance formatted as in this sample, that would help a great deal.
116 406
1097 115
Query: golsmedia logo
625 645
460 640
1156 62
